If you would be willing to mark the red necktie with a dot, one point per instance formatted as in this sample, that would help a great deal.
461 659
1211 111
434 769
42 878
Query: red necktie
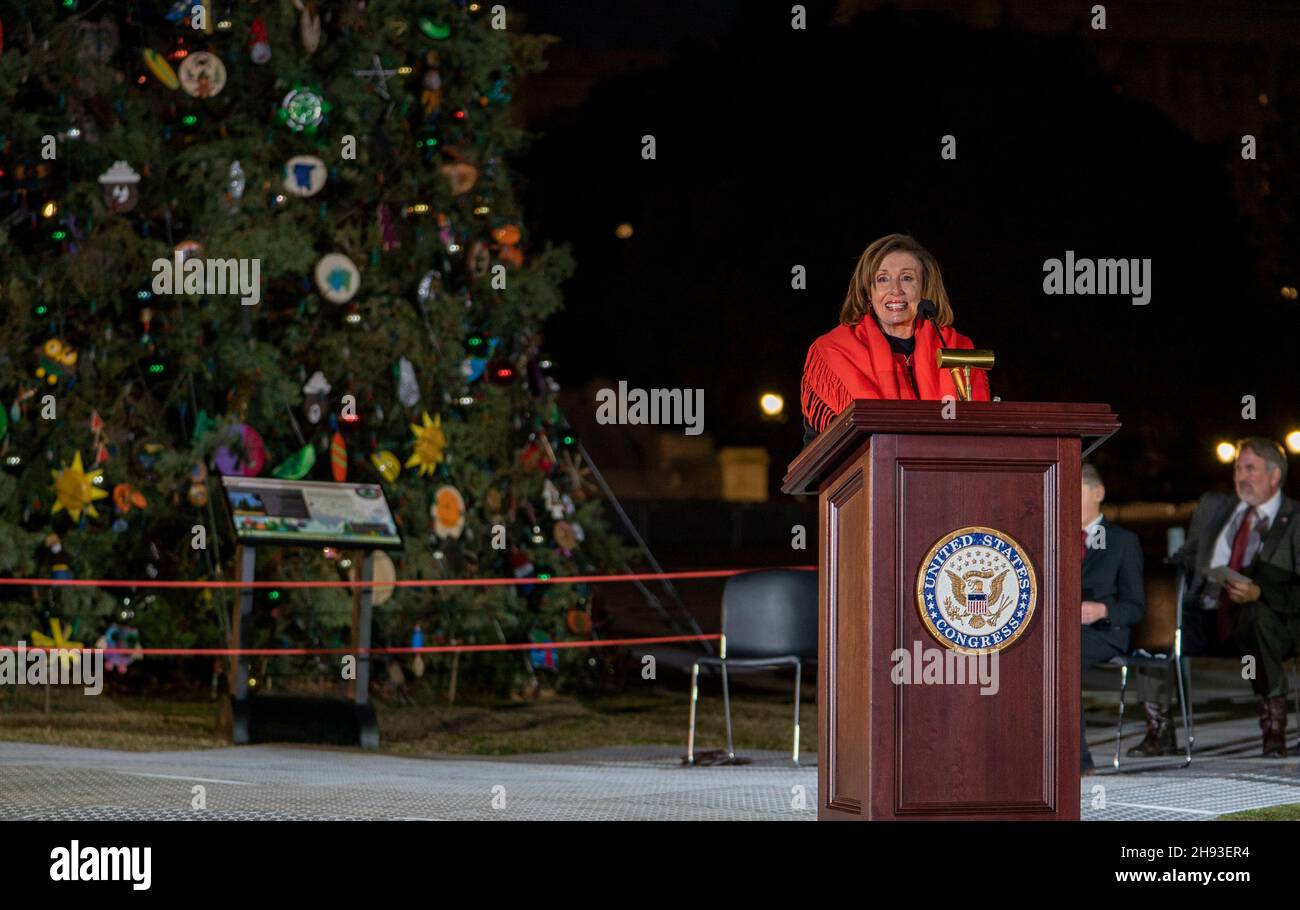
1083 546
1235 562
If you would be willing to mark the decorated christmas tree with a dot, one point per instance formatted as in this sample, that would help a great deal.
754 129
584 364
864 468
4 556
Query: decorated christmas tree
278 239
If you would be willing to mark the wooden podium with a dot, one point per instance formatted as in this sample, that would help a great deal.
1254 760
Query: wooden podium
895 480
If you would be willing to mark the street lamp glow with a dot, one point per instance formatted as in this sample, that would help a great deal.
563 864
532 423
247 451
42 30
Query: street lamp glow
1293 441
1226 452
772 404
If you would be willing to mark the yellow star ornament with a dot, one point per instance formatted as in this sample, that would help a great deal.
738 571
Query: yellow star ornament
430 444
75 490
59 640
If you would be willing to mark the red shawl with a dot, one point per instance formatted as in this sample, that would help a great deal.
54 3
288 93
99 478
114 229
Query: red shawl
855 361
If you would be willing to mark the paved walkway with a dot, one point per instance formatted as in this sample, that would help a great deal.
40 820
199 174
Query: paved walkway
620 783
286 782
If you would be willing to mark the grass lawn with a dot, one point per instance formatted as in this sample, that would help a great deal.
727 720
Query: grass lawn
658 716
1287 813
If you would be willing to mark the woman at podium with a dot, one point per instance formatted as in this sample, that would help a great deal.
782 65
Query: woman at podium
895 316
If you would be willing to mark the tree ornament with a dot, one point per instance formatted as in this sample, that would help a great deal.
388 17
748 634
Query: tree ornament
117 637
387 465
56 361
461 175
433 29
157 64
338 458
481 349
337 278
202 75
303 109
430 445
308 25
243 454
387 230
577 621
259 45
382 570
121 187
304 175
537 454
235 182
377 76
126 497
431 95
69 651
75 490
448 512
296 466
198 491
557 504
429 287
408 390
316 393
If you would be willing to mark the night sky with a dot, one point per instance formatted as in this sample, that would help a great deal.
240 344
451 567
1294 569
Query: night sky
778 147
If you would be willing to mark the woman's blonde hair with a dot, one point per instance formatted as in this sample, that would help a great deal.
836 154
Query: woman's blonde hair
857 302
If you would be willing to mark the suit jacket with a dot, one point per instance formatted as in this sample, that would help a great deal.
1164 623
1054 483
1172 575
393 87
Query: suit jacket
1275 568
1113 576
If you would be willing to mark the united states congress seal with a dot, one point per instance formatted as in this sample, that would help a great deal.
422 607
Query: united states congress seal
976 590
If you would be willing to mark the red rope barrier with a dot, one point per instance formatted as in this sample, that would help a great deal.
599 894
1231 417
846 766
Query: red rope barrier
432 649
407 583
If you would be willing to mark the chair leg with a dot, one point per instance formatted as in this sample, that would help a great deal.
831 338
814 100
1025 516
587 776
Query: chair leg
1183 692
1295 689
726 707
695 695
798 678
1119 727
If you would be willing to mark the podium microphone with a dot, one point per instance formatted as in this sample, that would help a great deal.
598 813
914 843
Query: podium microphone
927 310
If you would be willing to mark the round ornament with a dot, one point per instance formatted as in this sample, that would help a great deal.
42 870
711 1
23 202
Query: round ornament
198 491
461 175
448 512
302 110
243 454
202 74
304 175
337 278
121 187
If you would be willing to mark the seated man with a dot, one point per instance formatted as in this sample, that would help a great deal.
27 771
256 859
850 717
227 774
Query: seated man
1113 598
1254 533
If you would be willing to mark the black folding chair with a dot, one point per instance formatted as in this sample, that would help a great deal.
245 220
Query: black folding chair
769 619
1175 664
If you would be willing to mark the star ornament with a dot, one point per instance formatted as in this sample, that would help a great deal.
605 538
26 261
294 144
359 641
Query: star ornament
378 76
71 649
430 445
76 491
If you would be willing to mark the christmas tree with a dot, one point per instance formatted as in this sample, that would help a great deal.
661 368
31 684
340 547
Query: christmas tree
282 240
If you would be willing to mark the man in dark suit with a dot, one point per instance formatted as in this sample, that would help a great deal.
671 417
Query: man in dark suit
1112 598
1255 533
